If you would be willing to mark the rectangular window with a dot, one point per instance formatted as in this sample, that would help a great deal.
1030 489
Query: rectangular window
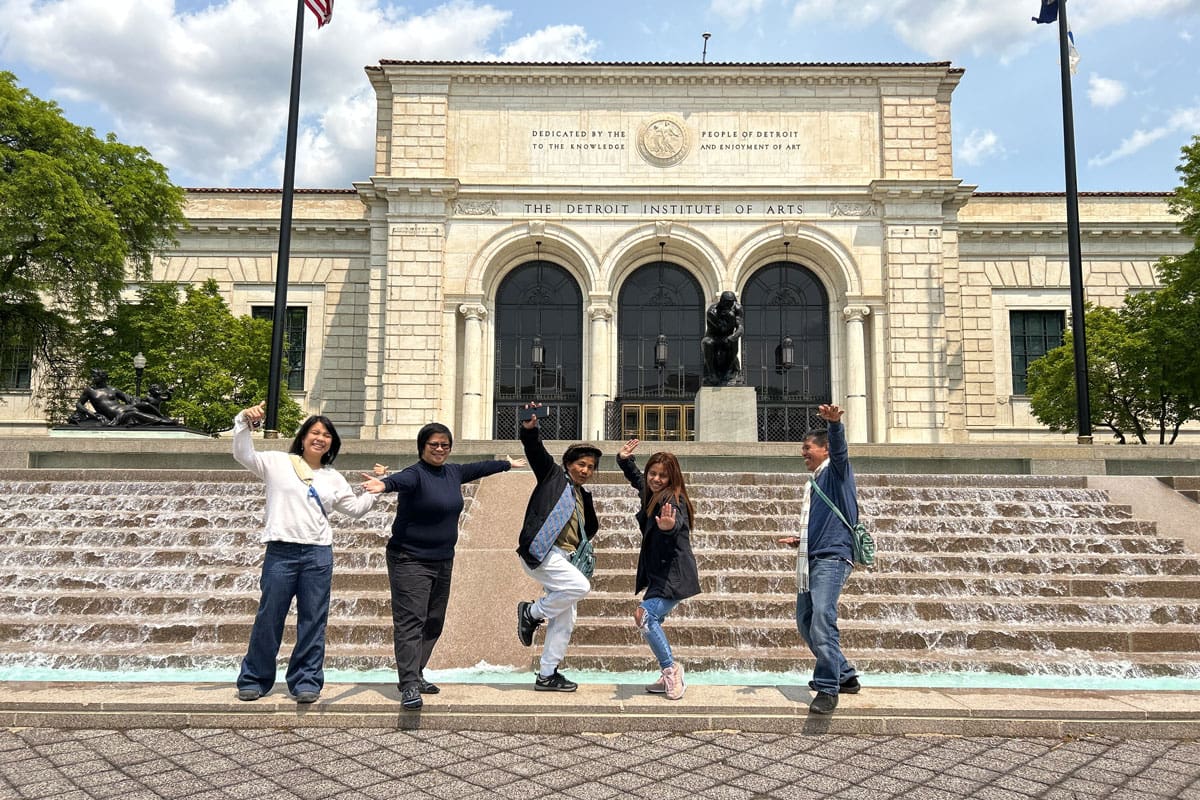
1033 334
16 363
295 333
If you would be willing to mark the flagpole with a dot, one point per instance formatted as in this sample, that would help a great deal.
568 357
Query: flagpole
279 319
1075 258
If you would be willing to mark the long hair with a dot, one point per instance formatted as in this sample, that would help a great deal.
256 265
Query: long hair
674 488
297 448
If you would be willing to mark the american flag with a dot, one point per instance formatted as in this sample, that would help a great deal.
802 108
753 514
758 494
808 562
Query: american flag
322 8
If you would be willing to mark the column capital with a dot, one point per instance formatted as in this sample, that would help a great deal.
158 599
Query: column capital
856 313
600 312
473 311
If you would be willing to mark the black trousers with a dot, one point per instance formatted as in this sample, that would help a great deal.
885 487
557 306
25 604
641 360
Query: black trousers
420 593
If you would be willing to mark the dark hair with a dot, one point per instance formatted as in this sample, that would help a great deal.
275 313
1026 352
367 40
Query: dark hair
819 438
329 455
581 450
427 432
674 488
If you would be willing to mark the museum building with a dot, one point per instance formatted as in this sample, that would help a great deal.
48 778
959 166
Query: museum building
555 232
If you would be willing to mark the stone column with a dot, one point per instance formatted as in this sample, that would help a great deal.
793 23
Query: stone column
856 374
599 387
472 366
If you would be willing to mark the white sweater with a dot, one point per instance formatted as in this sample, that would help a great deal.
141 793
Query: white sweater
292 514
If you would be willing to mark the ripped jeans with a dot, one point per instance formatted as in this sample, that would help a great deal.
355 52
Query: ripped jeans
654 611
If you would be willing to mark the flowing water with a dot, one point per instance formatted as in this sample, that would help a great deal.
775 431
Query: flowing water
982 580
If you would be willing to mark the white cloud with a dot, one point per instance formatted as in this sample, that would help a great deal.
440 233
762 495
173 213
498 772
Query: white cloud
735 11
555 43
1105 92
946 29
1186 120
979 146
207 91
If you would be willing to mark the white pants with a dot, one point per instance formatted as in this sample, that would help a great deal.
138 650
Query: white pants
565 586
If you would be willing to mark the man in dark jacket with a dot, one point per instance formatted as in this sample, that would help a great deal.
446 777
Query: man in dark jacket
559 511
824 562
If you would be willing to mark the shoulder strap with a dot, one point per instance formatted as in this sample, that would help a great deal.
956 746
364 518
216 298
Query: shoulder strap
829 503
303 470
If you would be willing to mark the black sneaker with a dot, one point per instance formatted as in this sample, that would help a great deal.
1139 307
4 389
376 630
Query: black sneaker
425 687
526 624
851 686
410 697
304 698
249 693
823 703
554 683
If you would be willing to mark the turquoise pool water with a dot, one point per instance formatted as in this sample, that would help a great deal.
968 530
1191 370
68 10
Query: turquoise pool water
505 675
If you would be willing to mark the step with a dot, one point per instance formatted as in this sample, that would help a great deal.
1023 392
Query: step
922 583
868 661
935 634
913 611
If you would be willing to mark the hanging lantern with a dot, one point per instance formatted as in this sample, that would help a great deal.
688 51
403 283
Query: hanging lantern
537 353
660 351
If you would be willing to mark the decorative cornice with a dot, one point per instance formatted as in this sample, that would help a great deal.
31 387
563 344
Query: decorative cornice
262 227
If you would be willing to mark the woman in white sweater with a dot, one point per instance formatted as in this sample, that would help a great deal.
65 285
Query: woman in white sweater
302 488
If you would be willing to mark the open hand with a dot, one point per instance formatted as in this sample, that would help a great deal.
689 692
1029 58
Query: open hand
790 541
627 449
830 413
516 463
666 517
372 484
380 470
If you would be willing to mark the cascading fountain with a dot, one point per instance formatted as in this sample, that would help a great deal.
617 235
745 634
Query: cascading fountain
1002 574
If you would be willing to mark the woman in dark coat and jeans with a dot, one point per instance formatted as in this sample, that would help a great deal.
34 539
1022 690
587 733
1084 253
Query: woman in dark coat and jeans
420 554
666 566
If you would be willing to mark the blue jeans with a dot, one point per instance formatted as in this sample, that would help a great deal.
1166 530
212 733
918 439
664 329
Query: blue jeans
305 572
816 618
654 611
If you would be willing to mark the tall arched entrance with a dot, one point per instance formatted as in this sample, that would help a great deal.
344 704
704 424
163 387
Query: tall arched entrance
785 349
539 349
660 321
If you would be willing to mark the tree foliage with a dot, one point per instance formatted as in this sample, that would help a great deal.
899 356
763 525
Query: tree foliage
1143 370
214 363
79 215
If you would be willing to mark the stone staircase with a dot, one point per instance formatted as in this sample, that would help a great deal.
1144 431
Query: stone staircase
1011 574
1186 485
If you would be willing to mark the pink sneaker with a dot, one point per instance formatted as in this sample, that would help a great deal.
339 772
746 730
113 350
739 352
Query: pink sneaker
673 676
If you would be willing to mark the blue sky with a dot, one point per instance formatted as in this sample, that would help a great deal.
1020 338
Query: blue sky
203 85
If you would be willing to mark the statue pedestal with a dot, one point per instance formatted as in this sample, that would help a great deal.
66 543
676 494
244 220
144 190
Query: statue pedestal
726 414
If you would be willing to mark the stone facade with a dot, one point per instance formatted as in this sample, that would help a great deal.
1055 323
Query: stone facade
600 169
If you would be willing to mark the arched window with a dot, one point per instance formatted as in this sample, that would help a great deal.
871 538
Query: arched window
539 348
785 303
660 322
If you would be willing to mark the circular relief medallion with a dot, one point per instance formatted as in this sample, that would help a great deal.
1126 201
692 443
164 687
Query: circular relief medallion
664 141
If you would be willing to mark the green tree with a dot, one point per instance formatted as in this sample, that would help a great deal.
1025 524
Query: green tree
1112 389
1143 373
79 215
214 363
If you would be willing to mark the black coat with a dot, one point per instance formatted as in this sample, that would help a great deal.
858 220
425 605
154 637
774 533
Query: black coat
551 481
666 566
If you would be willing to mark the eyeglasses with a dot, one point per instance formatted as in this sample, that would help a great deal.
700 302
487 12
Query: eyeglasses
438 445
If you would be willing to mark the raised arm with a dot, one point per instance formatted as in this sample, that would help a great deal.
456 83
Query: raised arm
243 443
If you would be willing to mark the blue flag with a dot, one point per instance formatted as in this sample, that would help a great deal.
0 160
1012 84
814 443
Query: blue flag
1049 12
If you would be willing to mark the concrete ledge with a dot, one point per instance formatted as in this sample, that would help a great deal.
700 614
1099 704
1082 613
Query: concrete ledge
611 708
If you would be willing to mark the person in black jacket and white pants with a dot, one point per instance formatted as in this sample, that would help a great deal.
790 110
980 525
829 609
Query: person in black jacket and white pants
558 511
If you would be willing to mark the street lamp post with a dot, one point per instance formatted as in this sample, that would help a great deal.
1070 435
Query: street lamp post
139 366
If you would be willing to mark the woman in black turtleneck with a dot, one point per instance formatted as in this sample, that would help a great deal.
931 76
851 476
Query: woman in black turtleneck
420 554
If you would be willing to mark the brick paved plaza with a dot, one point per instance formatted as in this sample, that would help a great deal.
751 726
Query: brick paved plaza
309 763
